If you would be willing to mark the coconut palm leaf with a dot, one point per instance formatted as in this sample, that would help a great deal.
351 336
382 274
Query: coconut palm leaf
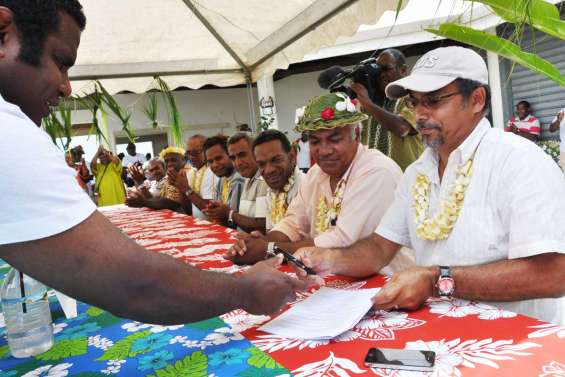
175 121
60 130
123 115
501 47
151 109
93 102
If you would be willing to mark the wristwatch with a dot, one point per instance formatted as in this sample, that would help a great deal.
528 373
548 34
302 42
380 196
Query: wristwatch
445 283
231 223
270 252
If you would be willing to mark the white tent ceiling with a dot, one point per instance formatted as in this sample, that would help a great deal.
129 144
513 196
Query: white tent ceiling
197 42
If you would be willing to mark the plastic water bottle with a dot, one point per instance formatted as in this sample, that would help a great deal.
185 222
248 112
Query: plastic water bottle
29 328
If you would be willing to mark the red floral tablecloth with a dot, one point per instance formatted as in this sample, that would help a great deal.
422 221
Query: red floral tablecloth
469 338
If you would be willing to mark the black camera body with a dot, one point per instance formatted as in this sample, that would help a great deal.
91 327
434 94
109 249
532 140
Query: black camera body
366 73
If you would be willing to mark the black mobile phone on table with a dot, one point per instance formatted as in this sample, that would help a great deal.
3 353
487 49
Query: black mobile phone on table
402 359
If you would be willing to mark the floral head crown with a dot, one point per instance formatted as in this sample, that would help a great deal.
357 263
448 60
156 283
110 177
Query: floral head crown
328 111
169 150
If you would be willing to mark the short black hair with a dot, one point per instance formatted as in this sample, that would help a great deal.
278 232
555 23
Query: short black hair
466 87
525 103
240 136
270 135
37 19
220 140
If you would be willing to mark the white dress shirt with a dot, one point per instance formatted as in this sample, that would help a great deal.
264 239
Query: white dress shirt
514 207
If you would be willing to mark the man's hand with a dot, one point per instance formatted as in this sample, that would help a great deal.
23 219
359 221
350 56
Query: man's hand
238 250
269 289
136 173
217 211
181 182
408 289
321 260
362 94
560 116
135 199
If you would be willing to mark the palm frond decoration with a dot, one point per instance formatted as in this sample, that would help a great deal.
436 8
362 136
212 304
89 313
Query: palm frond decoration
93 102
123 115
175 121
151 109
60 130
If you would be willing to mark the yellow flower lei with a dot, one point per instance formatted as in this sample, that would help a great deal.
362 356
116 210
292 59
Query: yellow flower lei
439 227
197 179
327 216
226 190
278 202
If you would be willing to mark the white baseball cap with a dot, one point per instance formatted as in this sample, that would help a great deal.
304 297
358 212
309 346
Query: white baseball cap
438 68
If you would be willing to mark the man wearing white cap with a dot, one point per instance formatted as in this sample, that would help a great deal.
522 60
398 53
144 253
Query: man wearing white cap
471 206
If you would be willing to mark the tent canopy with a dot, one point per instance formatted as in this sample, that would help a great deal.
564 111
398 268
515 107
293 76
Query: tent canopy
192 43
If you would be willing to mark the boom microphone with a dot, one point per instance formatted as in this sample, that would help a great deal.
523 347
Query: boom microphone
333 77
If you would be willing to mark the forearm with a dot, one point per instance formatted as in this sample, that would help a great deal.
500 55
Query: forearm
554 126
539 276
364 258
160 203
292 247
198 201
249 224
100 272
392 122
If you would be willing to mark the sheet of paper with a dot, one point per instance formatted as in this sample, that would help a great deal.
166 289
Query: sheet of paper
326 314
68 304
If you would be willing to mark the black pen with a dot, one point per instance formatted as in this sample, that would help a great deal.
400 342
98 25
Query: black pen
289 258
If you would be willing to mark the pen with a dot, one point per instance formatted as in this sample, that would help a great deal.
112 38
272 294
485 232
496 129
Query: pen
289 258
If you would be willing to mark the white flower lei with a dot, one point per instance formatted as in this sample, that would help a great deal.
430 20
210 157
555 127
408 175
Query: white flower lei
439 227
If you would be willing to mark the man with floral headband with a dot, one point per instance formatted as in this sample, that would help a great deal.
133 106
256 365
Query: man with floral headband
482 226
171 197
342 198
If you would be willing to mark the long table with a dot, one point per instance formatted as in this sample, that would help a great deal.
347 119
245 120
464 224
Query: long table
469 338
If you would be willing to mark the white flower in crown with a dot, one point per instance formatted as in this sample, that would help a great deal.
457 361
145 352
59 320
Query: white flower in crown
299 114
346 104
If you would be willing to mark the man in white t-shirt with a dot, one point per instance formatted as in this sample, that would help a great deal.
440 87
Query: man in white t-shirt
132 157
472 207
56 235
303 159
558 124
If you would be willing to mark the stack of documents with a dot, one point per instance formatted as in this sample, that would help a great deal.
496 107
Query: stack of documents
326 314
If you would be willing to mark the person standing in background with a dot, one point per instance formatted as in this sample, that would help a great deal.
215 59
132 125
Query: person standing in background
109 187
303 158
557 124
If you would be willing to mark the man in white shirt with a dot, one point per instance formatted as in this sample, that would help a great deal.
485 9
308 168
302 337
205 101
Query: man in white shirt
131 157
471 206
199 182
558 124
54 235
303 159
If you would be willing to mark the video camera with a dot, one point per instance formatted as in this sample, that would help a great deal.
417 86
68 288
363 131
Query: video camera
367 73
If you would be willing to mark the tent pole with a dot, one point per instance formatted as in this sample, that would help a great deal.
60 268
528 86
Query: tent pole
251 104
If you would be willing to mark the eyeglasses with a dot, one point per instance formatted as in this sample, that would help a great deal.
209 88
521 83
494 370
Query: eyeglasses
429 102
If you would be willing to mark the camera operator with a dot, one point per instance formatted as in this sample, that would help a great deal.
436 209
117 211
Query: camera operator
392 126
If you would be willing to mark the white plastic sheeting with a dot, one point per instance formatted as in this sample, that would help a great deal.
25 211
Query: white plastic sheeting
126 42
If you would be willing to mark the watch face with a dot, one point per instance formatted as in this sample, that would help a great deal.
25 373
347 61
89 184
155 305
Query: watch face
445 286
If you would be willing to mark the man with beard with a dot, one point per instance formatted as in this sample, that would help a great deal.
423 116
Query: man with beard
472 207
342 198
252 206
52 226
392 126
276 161
230 183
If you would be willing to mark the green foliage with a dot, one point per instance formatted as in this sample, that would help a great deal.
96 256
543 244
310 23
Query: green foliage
151 109
258 372
538 14
93 311
121 349
59 127
4 351
175 121
65 348
194 365
123 115
501 47
260 359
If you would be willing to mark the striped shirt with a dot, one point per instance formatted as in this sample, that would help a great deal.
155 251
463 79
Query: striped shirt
253 202
529 124
235 185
